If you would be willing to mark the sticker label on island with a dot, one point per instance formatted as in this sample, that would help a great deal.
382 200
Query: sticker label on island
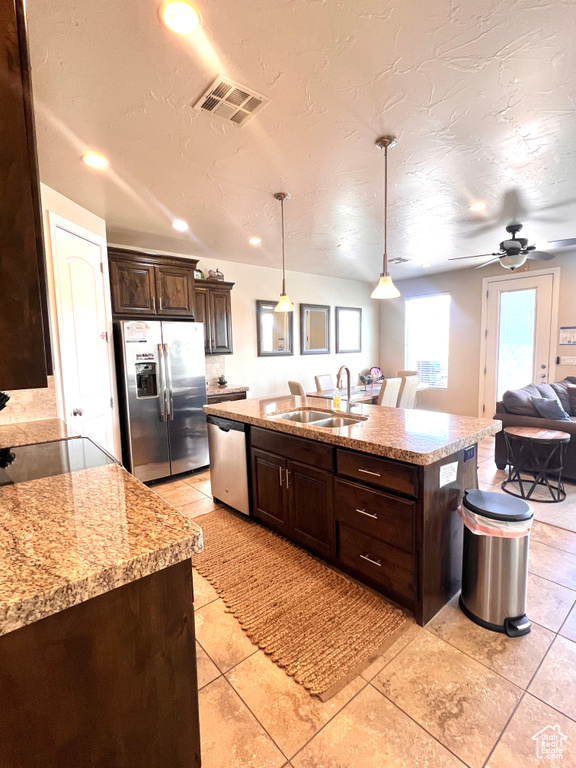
448 473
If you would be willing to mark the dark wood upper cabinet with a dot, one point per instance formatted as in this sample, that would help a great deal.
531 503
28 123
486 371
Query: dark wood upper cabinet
175 290
133 288
146 284
24 341
214 309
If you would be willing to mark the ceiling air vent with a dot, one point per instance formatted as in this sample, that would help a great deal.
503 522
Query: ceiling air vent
231 101
398 260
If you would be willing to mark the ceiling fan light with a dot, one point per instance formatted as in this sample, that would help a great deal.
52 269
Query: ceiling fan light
513 261
284 304
385 289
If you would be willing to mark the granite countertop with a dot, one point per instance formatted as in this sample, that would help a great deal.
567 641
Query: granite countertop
68 538
229 389
414 436
31 432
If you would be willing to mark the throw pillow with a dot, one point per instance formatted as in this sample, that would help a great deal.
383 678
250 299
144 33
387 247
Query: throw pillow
550 408
519 401
561 390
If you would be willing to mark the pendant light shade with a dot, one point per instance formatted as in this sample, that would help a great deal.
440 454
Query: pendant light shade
385 288
284 304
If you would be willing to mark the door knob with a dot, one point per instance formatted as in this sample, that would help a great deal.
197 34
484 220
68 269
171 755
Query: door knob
543 366
77 412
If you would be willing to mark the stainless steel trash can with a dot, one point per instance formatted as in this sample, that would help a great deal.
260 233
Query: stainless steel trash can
495 561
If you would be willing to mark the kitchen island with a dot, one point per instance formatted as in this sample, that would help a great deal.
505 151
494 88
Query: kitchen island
97 652
377 497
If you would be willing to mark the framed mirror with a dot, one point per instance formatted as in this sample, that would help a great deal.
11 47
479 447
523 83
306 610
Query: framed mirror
348 329
274 330
314 329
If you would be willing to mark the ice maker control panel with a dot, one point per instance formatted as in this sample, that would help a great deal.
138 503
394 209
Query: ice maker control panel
146 380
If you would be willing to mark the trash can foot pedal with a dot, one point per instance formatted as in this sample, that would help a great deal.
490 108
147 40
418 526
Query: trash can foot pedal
517 627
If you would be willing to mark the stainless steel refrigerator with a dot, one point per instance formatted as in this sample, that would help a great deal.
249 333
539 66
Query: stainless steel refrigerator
162 383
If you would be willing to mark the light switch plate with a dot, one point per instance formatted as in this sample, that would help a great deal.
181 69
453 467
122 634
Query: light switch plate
568 361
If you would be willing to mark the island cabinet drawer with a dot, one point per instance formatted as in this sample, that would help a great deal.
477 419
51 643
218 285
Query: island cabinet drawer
380 515
389 567
318 455
376 471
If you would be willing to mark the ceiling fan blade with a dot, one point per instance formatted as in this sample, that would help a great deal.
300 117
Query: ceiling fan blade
488 262
541 255
568 243
479 256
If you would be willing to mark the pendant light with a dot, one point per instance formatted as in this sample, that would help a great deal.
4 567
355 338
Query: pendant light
385 288
284 304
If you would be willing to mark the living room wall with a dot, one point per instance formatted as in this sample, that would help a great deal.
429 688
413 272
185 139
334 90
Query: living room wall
465 288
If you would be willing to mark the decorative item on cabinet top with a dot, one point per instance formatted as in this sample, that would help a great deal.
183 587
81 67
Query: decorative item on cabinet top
148 284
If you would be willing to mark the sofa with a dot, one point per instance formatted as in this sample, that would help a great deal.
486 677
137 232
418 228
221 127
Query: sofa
517 410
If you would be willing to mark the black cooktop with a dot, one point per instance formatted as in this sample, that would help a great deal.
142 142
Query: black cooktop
31 462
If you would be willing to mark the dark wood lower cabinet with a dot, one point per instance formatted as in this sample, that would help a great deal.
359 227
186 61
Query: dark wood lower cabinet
393 526
268 479
310 507
107 683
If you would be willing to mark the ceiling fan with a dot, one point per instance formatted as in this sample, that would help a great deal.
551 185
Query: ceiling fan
514 252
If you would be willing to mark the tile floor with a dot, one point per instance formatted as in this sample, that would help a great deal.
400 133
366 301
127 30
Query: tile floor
449 694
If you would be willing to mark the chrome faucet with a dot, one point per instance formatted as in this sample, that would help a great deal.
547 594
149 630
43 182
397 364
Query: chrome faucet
338 382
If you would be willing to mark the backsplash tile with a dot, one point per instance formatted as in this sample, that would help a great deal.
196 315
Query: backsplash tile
31 404
215 366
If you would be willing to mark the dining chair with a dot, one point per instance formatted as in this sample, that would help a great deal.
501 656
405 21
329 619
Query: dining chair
407 396
388 394
296 388
324 381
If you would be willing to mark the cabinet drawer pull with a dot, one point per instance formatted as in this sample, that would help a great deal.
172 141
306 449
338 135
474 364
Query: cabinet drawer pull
368 514
154 303
367 472
374 562
280 474
160 302
287 479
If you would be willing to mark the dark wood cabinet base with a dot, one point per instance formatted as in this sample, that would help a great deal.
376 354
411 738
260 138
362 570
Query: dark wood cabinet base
108 683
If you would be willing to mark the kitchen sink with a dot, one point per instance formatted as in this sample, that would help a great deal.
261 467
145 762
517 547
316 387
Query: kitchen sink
339 421
321 419
304 417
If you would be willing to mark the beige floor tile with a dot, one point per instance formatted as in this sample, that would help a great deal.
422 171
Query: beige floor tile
204 486
230 735
515 658
554 536
555 681
379 662
197 477
207 670
179 494
518 749
199 507
491 474
204 592
370 732
455 698
552 564
548 603
562 515
222 637
569 627
286 710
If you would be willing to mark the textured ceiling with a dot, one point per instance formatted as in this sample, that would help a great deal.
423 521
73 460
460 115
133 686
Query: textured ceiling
481 95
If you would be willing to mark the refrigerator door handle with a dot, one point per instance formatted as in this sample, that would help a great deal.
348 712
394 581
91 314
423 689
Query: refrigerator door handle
170 391
162 377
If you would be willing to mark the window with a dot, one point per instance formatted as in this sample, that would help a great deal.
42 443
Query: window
427 337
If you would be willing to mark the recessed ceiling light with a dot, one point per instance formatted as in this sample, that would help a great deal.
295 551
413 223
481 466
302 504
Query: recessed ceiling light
180 225
425 266
479 206
255 240
180 17
94 161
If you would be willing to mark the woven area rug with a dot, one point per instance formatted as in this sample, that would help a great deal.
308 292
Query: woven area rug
318 626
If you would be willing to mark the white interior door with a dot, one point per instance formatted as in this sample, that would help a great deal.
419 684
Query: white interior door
519 325
83 330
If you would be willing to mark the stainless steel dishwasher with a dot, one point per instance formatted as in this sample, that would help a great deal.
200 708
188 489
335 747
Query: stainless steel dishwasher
228 462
